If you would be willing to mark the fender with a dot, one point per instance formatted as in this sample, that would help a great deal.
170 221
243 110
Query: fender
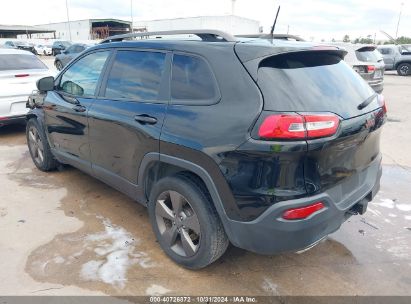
152 157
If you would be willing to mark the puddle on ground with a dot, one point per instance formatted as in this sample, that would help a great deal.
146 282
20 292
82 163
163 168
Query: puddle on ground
115 250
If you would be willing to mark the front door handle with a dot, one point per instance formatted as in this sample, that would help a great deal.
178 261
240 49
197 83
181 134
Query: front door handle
145 119
79 108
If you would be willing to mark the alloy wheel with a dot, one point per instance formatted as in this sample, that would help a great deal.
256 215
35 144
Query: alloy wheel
178 223
404 70
36 145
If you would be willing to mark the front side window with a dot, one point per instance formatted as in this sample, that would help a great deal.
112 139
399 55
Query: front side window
82 77
192 79
135 75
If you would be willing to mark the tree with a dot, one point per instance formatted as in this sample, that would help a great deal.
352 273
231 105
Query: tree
364 40
346 38
404 40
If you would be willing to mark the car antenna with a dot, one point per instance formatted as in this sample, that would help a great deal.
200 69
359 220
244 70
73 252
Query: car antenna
275 21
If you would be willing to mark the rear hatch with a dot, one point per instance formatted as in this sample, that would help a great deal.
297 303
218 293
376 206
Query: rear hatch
19 73
319 99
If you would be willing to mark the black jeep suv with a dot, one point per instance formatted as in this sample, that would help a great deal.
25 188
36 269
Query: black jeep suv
269 145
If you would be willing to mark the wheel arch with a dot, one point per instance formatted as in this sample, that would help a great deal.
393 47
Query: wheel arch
397 64
154 166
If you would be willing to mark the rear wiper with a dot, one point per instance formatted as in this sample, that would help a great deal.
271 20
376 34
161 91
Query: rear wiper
367 101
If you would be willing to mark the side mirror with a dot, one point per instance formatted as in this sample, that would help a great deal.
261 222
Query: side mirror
45 84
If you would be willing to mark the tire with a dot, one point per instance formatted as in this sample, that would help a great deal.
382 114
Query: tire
404 69
39 147
190 243
59 65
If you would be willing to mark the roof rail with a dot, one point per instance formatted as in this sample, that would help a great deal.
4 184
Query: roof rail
273 36
205 35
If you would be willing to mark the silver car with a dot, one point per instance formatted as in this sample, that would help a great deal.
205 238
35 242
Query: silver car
366 61
19 71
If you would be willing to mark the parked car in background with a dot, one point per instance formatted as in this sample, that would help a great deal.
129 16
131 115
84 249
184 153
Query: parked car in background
396 57
59 46
22 45
19 71
66 56
42 49
274 165
366 61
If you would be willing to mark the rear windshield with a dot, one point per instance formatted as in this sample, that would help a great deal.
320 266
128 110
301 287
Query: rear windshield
20 62
368 56
312 81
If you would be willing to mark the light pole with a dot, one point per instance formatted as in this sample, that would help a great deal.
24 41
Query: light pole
68 20
132 19
398 23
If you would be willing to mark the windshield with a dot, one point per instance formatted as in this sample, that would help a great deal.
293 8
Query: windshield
20 62
312 82
65 43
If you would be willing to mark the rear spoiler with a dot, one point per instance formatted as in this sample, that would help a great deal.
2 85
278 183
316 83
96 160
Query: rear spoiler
367 48
253 64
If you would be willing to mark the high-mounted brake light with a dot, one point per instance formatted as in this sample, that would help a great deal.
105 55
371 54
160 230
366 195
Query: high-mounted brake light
21 75
296 126
302 212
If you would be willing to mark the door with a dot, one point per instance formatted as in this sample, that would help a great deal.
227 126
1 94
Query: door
66 108
126 120
388 56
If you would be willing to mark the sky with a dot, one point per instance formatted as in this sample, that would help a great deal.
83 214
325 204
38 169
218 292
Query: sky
312 20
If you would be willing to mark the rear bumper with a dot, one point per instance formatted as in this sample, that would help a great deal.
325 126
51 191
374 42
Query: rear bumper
270 233
12 120
377 86
12 108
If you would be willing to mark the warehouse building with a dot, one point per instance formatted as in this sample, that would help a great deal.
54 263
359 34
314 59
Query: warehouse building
231 24
88 29
13 31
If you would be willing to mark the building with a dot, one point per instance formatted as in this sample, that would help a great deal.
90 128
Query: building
231 24
12 31
88 29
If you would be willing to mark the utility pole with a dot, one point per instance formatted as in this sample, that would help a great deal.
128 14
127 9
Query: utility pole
131 12
398 23
233 7
68 20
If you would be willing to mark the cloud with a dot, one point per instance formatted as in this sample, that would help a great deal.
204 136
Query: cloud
317 18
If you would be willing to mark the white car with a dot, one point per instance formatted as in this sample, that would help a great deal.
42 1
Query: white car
42 49
19 71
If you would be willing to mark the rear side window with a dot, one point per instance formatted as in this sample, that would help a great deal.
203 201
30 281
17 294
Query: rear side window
20 62
192 79
135 75
311 81
368 56
385 51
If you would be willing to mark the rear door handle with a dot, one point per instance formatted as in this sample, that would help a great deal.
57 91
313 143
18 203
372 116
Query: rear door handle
145 119
79 108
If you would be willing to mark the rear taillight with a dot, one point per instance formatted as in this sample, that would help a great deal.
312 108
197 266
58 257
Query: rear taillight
370 68
302 212
381 102
364 68
21 75
296 126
